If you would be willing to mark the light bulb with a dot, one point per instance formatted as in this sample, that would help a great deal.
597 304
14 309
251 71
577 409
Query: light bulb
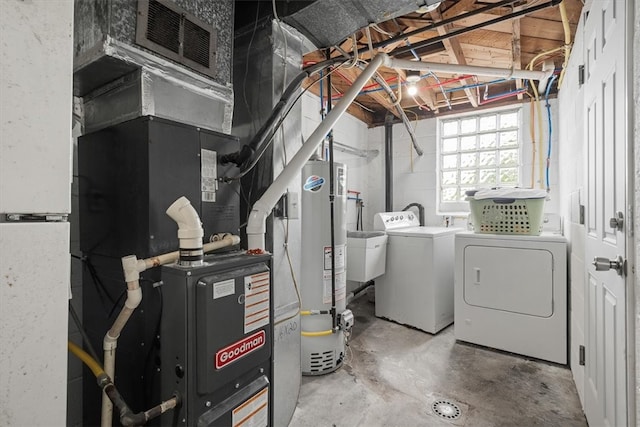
412 89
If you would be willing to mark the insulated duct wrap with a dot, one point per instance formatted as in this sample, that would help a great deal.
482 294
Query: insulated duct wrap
341 18
120 80
261 72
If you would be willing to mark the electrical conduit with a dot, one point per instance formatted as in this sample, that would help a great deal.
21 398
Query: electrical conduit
567 40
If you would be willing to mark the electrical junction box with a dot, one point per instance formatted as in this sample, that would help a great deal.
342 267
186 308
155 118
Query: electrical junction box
216 341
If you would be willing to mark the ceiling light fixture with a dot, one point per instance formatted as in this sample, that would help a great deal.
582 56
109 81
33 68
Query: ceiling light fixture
413 76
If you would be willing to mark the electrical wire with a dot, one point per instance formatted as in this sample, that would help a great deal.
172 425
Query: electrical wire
441 89
381 31
399 96
284 39
267 141
154 347
369 42
101 289
567 40
246 69
532 132
83 333
546 98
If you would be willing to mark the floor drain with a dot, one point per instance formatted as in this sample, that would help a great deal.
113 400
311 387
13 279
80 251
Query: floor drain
446 409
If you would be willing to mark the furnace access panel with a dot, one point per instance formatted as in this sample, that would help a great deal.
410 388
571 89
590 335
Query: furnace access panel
216 341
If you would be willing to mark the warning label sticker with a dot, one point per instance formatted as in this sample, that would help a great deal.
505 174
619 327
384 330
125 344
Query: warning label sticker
256 301
209 175
224 288
254 412
339 257
341 286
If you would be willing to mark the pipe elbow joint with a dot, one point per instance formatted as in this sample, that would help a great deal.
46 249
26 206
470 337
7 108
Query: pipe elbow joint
386 59
134 297
257 217
130 419
189 225
233 239
131 268
110 343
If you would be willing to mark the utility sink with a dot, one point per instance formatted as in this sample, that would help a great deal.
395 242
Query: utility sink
366 255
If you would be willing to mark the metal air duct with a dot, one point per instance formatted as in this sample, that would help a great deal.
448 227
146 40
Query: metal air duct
328 22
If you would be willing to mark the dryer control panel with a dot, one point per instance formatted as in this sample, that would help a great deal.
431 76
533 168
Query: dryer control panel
394 220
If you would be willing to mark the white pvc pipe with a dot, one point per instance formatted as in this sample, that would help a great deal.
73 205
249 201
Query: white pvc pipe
190 234
190 230
256 225
132 269
507 73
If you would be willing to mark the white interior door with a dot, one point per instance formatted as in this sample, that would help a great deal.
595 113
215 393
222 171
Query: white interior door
606 132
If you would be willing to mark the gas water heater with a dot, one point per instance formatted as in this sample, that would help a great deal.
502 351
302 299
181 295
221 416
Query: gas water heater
323 340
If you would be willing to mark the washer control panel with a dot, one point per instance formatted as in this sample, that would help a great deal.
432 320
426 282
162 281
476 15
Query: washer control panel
394 220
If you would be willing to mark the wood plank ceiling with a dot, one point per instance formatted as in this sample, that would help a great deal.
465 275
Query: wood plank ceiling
511 44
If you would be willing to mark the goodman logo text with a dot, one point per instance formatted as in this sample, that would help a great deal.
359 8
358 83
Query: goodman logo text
239 349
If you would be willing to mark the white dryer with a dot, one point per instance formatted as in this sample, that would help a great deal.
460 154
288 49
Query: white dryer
511 293
417 287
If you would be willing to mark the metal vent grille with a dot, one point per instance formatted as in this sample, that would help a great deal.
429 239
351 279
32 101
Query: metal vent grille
196 43
321 362
165 28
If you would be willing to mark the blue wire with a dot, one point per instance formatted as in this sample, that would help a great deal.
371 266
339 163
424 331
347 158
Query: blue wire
444 94
415 55
546 98
473 86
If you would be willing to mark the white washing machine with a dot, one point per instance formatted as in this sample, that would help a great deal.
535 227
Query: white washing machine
417 287
511 293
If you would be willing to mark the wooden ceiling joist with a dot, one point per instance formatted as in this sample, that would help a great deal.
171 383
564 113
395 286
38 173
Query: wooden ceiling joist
380 96
454 49
458 8
509 44
531 27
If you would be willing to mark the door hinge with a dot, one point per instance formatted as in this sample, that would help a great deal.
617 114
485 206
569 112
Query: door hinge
581 74
581 357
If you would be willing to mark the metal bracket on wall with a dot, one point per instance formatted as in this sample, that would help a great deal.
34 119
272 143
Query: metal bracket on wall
22 217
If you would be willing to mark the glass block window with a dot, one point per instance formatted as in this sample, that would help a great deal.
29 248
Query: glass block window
479 151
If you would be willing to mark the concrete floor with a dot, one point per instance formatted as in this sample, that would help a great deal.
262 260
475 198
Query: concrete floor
393 374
